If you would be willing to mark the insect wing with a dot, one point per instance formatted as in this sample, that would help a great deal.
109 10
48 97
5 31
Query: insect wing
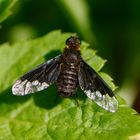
39 78
95 88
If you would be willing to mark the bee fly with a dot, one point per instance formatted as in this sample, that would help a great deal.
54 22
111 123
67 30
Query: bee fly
68 70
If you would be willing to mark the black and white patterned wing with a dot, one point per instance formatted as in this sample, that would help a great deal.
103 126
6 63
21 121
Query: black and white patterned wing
95 88
39 78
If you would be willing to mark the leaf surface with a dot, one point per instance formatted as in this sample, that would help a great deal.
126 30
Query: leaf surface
44 115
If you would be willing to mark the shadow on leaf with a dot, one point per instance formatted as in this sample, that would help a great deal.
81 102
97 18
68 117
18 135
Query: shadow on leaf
52 54
48 98
45 99
7 97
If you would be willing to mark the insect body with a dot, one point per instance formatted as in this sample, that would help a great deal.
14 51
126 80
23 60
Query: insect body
70 62
68 70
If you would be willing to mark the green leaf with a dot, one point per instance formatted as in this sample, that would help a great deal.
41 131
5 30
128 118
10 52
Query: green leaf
5 8
44 115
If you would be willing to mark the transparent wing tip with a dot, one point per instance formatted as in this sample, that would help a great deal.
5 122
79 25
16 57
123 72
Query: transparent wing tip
18 87
108 103
25 87
104 101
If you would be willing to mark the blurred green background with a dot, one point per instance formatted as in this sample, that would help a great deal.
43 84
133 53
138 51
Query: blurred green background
111 27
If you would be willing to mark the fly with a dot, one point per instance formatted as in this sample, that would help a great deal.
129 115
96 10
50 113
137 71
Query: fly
68 71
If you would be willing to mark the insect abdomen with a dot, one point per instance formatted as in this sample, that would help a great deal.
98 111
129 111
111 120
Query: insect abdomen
67 80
